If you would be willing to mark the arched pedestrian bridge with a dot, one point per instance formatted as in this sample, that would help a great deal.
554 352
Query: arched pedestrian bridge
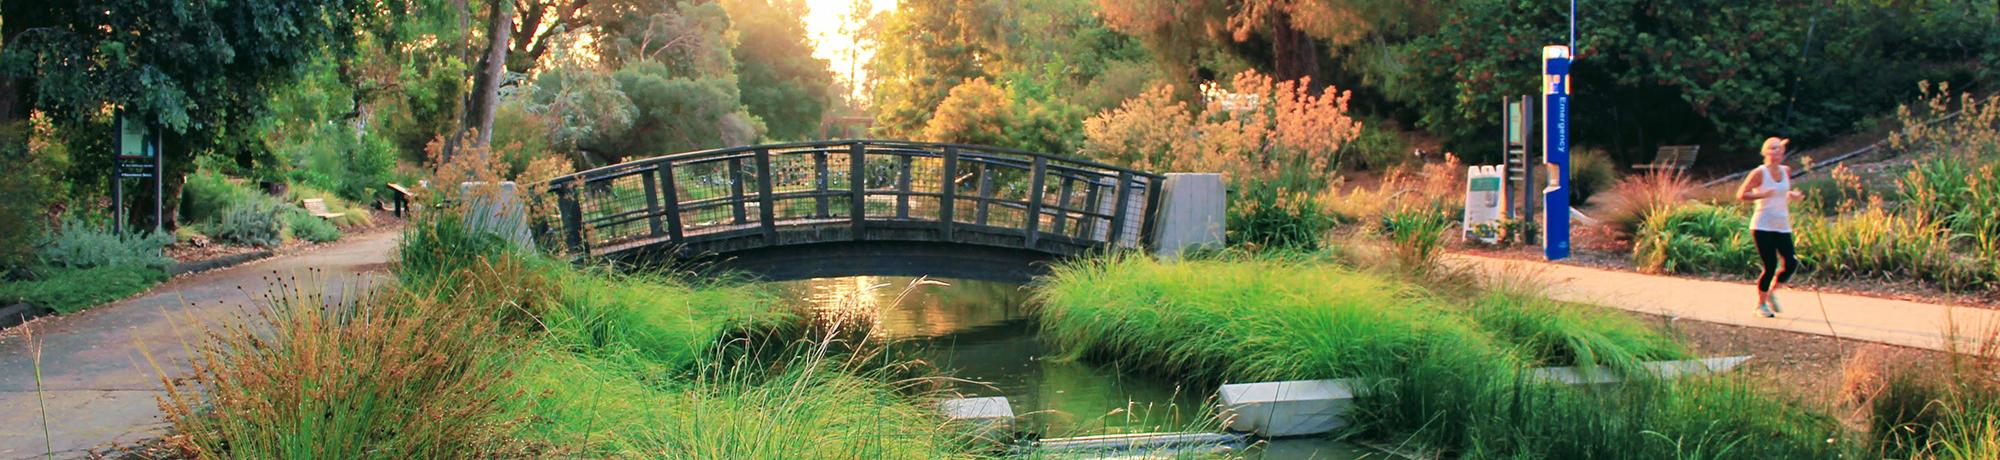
803 210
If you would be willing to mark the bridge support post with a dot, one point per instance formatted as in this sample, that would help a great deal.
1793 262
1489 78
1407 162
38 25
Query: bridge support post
948 191
857 172
1191 215
572 216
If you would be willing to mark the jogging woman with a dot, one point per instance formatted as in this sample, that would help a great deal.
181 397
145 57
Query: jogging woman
1770 185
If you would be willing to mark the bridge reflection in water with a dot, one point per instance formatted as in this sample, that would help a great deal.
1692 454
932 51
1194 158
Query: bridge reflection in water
726 201
985 333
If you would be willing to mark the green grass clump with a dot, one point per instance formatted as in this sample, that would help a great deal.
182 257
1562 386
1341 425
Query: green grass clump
72 290
254 223
1696 238
1443 374
306 227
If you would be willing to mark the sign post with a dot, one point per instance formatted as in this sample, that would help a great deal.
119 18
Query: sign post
1555 150
1521 186
138 158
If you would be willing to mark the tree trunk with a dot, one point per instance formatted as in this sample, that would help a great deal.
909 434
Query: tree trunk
1293 53
485 96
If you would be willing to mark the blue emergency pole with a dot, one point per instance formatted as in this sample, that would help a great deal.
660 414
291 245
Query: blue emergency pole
1555 151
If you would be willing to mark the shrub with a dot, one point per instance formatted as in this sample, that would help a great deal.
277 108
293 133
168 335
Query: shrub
1590 171
23 214
1417 234
209 194
1696 238
307 227
1379 147
333 157
1637 197
1264 218
79 246
72 290
253 222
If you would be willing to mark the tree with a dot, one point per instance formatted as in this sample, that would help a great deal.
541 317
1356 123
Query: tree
782 82
975 112
677 114
195 70
927 47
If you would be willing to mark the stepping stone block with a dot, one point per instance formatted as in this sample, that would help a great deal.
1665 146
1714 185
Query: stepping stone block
1290 408
1659 369
989 415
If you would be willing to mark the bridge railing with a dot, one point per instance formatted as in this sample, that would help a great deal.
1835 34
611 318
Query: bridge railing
956 192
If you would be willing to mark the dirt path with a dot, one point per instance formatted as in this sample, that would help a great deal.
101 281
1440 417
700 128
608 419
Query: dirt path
1851 317
99 388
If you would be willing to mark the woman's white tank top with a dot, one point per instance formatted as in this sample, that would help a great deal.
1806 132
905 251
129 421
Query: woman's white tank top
1774 213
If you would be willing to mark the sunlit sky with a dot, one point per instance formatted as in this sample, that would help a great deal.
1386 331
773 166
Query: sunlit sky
823 23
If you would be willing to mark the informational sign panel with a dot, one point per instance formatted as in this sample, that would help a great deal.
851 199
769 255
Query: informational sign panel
1555 150
1485 202
138 157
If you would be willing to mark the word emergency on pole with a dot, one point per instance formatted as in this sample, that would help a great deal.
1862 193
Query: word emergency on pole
1555 151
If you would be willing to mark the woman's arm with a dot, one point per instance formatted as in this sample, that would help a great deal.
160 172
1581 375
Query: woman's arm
1749 191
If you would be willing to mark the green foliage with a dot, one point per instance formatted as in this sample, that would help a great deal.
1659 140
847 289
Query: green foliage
23 215
783 84
1698 74
306 227
583 104
677 113
197 70
1379 147
1695 238
1418 234
252 223
69 290
78 245
208 194
1590 172
1446 377
1262 217
334 157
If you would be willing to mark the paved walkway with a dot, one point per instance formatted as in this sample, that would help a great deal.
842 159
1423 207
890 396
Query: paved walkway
1851 317
98 386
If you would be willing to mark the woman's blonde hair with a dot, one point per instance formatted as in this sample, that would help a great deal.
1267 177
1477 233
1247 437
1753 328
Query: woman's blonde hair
1773 140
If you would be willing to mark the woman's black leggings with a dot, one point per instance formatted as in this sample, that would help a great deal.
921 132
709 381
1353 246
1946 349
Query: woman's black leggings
1770 246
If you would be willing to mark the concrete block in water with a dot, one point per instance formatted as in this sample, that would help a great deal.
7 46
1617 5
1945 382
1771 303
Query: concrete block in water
1659 369
1138 445
497 209
989 414
1192 207
1291 408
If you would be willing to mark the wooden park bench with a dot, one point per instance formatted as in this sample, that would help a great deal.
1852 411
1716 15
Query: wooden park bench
1675 158
400 198
317 207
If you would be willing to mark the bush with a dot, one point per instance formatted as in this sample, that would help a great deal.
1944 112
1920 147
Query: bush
307 227
254 223
72 290
1590 171
1696 238
1263 218
334 158
81 246
23 217
1637 197
209 194
1379 147
1418 234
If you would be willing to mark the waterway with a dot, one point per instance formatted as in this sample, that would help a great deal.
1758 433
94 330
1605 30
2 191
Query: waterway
983 336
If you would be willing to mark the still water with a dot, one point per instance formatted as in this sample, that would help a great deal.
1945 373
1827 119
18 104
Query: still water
984 335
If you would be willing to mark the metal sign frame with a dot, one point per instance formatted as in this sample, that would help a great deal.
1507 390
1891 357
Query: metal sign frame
136 154
1555 150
